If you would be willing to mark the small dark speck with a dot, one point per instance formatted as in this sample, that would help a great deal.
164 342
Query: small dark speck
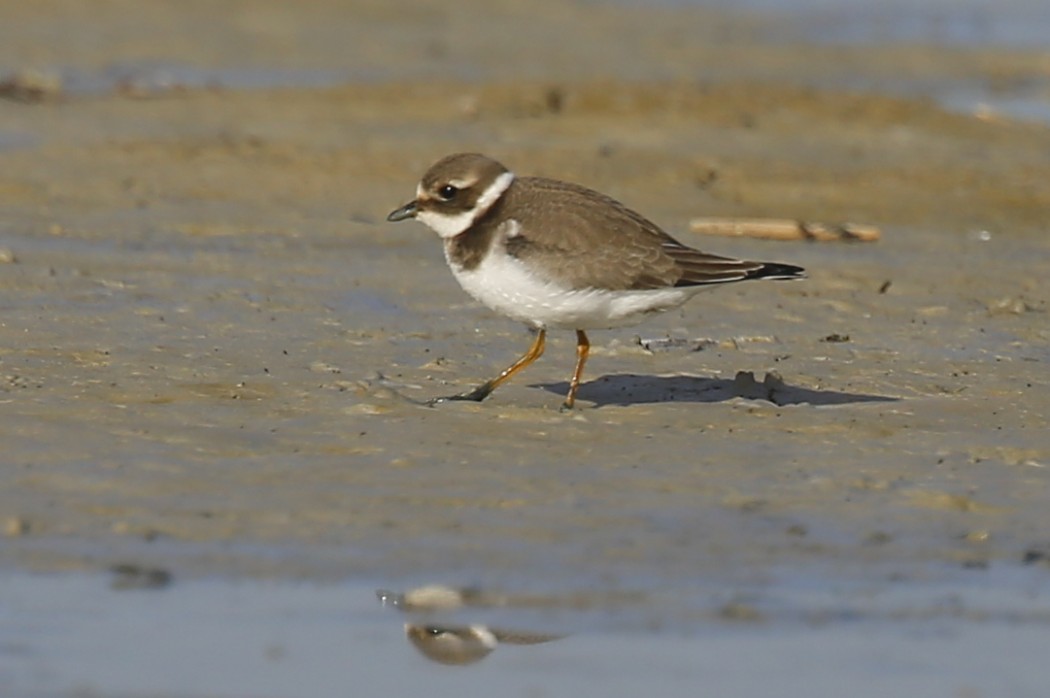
835 338
1034 556
706 179
132 576
554 100
885 286
878 538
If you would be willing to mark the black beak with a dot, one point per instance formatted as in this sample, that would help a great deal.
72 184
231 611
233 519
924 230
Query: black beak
406 211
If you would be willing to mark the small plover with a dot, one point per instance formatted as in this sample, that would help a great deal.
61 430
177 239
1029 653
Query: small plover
558 255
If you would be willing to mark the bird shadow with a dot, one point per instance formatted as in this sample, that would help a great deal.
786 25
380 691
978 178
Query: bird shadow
634 389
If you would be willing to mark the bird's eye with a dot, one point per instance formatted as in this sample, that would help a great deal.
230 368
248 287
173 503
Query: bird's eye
447 192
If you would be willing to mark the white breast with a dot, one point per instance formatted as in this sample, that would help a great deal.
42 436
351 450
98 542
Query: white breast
504 284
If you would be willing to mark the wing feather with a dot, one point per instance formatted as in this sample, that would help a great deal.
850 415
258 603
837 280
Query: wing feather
580 238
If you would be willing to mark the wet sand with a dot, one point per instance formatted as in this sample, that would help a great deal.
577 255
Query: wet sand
211 341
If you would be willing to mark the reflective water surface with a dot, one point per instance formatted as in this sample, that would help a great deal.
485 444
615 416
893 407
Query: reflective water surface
90 635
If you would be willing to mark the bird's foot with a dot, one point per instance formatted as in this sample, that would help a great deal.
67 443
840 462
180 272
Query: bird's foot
476 395
568 406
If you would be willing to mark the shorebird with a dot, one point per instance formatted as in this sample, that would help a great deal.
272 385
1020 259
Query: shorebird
557 255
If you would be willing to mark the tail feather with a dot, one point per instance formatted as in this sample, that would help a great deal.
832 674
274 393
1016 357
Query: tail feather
696 268
776 271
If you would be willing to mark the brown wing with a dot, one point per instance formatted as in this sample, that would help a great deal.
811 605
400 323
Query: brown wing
587 239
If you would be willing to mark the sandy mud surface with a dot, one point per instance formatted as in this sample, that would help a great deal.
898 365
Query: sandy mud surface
212 344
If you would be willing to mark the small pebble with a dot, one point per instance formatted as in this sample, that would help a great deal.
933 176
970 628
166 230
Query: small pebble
737 611
1037 556
30 85
132 576
15 527
1011 305
878 538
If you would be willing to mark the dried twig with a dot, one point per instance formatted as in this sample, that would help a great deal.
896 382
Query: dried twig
784 229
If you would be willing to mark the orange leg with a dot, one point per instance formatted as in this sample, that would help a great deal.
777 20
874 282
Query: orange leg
583 348
485 389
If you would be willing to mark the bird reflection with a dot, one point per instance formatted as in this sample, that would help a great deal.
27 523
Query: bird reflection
455 644
466 644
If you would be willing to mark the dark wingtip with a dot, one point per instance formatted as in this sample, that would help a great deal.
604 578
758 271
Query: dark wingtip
776 271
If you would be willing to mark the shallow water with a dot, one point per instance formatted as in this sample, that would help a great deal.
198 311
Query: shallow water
978 25
969 24
77 635
964 22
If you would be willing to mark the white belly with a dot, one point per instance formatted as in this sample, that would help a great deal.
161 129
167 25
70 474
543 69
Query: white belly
502 283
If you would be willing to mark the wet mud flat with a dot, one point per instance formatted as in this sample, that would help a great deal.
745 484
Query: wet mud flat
212 347
214 337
